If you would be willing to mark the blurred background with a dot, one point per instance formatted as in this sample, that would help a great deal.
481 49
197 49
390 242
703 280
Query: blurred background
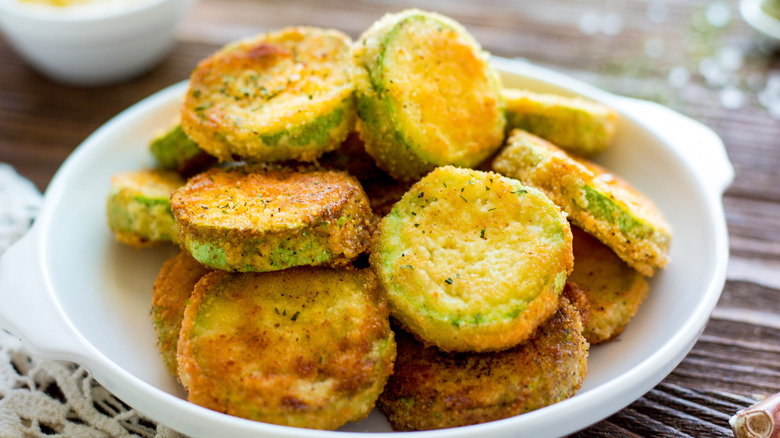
699 57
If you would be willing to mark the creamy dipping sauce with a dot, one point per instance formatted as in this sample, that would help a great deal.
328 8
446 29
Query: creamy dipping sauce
55 2
64 3
77 7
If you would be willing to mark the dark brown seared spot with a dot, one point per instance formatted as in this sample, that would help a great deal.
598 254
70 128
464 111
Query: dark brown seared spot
305 367
294 403
459 400
360 375
263 52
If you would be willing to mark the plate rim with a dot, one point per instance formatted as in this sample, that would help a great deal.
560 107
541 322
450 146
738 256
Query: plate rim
657 364
759 20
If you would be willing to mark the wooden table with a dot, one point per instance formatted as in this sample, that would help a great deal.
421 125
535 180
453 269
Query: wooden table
695 56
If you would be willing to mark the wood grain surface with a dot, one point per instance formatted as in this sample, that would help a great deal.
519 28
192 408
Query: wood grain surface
698 57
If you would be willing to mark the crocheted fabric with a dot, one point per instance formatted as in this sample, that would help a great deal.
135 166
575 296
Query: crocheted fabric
44 398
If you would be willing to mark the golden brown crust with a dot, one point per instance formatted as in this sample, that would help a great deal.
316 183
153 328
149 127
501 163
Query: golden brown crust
138 207
352 158
383 190
577 298
431 389
594 199
172 289
578 125
613 289
426 95
253 218
307 347
472 261
278 96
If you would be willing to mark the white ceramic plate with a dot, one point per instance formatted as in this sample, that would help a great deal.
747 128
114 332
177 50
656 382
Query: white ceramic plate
70 292
756 17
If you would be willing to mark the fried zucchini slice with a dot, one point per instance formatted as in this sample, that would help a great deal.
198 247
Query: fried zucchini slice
255 218
613 289
174 150
472 261
599 202
577 298
352 158
284 95
431 389
582 127
426 95
306 347
139 207
171 291
383 190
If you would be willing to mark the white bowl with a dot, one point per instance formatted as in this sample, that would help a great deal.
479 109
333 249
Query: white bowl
755 16
92 44
71 292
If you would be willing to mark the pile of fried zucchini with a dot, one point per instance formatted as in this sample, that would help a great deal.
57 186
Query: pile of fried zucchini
381 223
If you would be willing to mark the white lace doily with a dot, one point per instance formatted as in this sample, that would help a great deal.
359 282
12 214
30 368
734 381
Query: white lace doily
44 398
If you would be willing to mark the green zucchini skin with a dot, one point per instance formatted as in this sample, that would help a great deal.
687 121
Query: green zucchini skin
174 150
579 126
254 218
471 260
597 201
138 207
440 105
305 347
431 389
279 96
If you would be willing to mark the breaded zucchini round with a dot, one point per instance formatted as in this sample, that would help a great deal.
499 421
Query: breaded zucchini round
613 289
472 261
174 150
426 95
383 190
352 158
577 298
172 290
580 126
284 95
599 202
139 206
431 389
307 347
254 218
